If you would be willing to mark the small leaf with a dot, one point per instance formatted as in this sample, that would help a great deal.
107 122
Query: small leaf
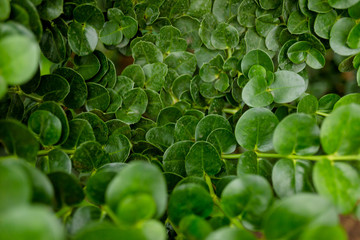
225 36
189 198
111 33
353 37
339 4
290 177
339 36
46 125
185 128
324 22
287 86
80 132
248 196
134 105
87 66
118 147
202 158
308 104
50 9
256 94
249 163
136 73
294 215
255 129
18 140
208 124
319 6
256 57
155 75
146 53
223 140
90 15
162 137
246 13
82 38
53 87
181 62
339 131
297 134
99 127
297 23
339 182
98 97
174 157
230 233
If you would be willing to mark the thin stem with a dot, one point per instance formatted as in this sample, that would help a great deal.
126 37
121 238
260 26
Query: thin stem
294 107
229 53
322 114
46 152
311 158
112 215
217 203
230 111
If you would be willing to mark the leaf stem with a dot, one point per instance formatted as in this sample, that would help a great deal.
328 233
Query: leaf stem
311 158
111 214
230 110
46 152
217 203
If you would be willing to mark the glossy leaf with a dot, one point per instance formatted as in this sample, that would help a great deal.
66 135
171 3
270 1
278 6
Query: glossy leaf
174 157
146 53
134 105
339 36
202 158
287 86
208 124
255 129
82 38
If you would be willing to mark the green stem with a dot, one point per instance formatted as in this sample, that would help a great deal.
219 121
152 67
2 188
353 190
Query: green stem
46 152
322 114
112 215
229 53
311 158
294 107
230 111
21 93
217 203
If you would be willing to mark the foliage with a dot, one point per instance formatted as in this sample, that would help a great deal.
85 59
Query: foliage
213 132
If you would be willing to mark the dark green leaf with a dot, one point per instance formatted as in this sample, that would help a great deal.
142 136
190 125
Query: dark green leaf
174 157
99 127
339 36
146 53
82 38
80 131
208 124
90 15
53 87
134 105
50 9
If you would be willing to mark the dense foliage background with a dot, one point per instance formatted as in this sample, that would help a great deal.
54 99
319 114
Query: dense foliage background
179 119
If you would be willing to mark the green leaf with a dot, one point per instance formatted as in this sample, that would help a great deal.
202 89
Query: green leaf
174 157
181 85
256 93
89 156
98 182
297 134
136 73
208 124
298 52
224 10
162 137
339 36
155 75
138 177
181 62
155 104
3 87
255 129
290 177
19 193
87 66
324 232
78 90
99 127
123 85
111 33
146 53
225 36
256 57
354 11
294 215
297 23
53 87
230 233
168 115
248 196
202 158
287 86
319 6
90 15
18 140
353 37
284 61
199 8
46 125
5 12
324 22
170 41
249 163
98 97
18 52
187 199
53 45
315 59
246 13
81 217
80 131
207 27
223 140
67 188
58 161
342 4
308 104
44 225
339 182
82 38
189 28
134 105
185 128
50 9
339 131
348 99
118 147
55 109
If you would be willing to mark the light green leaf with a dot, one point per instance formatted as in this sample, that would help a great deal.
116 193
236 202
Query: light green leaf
287 86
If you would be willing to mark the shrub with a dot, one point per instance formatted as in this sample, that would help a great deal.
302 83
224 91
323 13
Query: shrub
211 133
